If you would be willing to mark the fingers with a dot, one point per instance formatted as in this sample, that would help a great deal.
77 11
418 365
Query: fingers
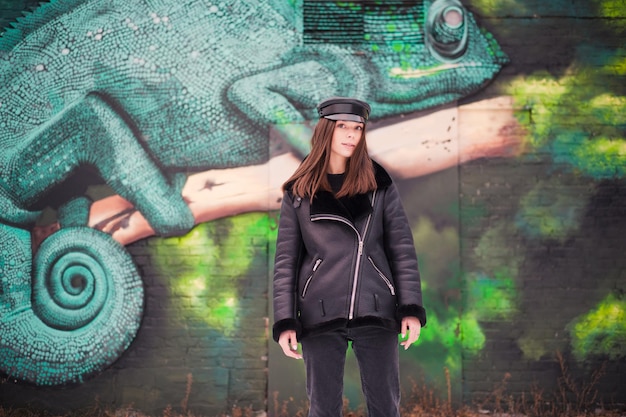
413 327
289 343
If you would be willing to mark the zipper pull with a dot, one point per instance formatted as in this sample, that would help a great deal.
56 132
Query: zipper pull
317 264
360 247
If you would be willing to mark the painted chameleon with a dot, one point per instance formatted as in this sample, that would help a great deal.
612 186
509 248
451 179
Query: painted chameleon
137 95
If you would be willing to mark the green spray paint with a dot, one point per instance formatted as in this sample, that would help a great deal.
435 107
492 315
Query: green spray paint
207 267
602 331
141 94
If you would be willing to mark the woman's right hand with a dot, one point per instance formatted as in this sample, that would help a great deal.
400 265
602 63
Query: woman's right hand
289 343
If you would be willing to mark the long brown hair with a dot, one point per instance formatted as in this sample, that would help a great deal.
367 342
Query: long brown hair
310 177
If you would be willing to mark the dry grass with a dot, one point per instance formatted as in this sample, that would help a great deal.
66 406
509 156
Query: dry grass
572 398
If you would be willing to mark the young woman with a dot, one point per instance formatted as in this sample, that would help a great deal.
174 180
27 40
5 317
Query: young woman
345 267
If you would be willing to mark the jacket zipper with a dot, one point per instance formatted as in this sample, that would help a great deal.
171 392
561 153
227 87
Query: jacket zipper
384 278
361 239
310 278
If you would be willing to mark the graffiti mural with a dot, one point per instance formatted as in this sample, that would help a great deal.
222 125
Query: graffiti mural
541 258
137 96
143 145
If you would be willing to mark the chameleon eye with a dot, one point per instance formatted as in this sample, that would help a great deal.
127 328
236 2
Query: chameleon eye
446 30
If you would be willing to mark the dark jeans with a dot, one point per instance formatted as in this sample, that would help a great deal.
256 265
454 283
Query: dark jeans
376 351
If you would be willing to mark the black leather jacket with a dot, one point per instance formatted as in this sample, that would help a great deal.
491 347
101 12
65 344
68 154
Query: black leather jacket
336 269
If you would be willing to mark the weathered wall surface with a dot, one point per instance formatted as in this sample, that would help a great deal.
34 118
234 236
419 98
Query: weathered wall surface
509 154
548 223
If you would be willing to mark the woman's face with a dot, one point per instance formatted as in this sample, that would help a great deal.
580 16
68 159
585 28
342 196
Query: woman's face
345 138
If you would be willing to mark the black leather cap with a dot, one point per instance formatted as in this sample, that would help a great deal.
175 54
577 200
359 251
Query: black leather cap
344 108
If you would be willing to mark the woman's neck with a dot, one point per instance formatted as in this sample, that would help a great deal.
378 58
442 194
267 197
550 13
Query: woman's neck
337 165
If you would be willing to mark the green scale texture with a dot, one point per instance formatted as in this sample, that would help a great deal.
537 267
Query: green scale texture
145 92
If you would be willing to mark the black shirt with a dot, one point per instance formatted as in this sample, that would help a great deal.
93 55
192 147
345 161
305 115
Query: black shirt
335 181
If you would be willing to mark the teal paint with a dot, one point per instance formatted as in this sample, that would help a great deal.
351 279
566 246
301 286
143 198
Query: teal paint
79 312
139 94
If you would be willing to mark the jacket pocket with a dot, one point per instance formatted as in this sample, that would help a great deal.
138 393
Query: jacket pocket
316 265
387 281
322 309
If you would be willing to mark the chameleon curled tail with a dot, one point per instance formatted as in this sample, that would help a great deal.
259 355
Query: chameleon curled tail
76 315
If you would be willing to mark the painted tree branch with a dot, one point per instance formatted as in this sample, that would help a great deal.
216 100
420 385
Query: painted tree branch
406 147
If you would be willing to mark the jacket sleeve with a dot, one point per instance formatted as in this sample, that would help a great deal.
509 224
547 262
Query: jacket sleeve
288 247
400 250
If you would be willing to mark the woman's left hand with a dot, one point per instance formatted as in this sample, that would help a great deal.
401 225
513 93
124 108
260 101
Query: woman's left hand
412 326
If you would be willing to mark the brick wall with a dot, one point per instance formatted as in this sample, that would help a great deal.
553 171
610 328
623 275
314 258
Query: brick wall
544 219
565 253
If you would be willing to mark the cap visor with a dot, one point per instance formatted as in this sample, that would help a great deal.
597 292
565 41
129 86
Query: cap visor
345 116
